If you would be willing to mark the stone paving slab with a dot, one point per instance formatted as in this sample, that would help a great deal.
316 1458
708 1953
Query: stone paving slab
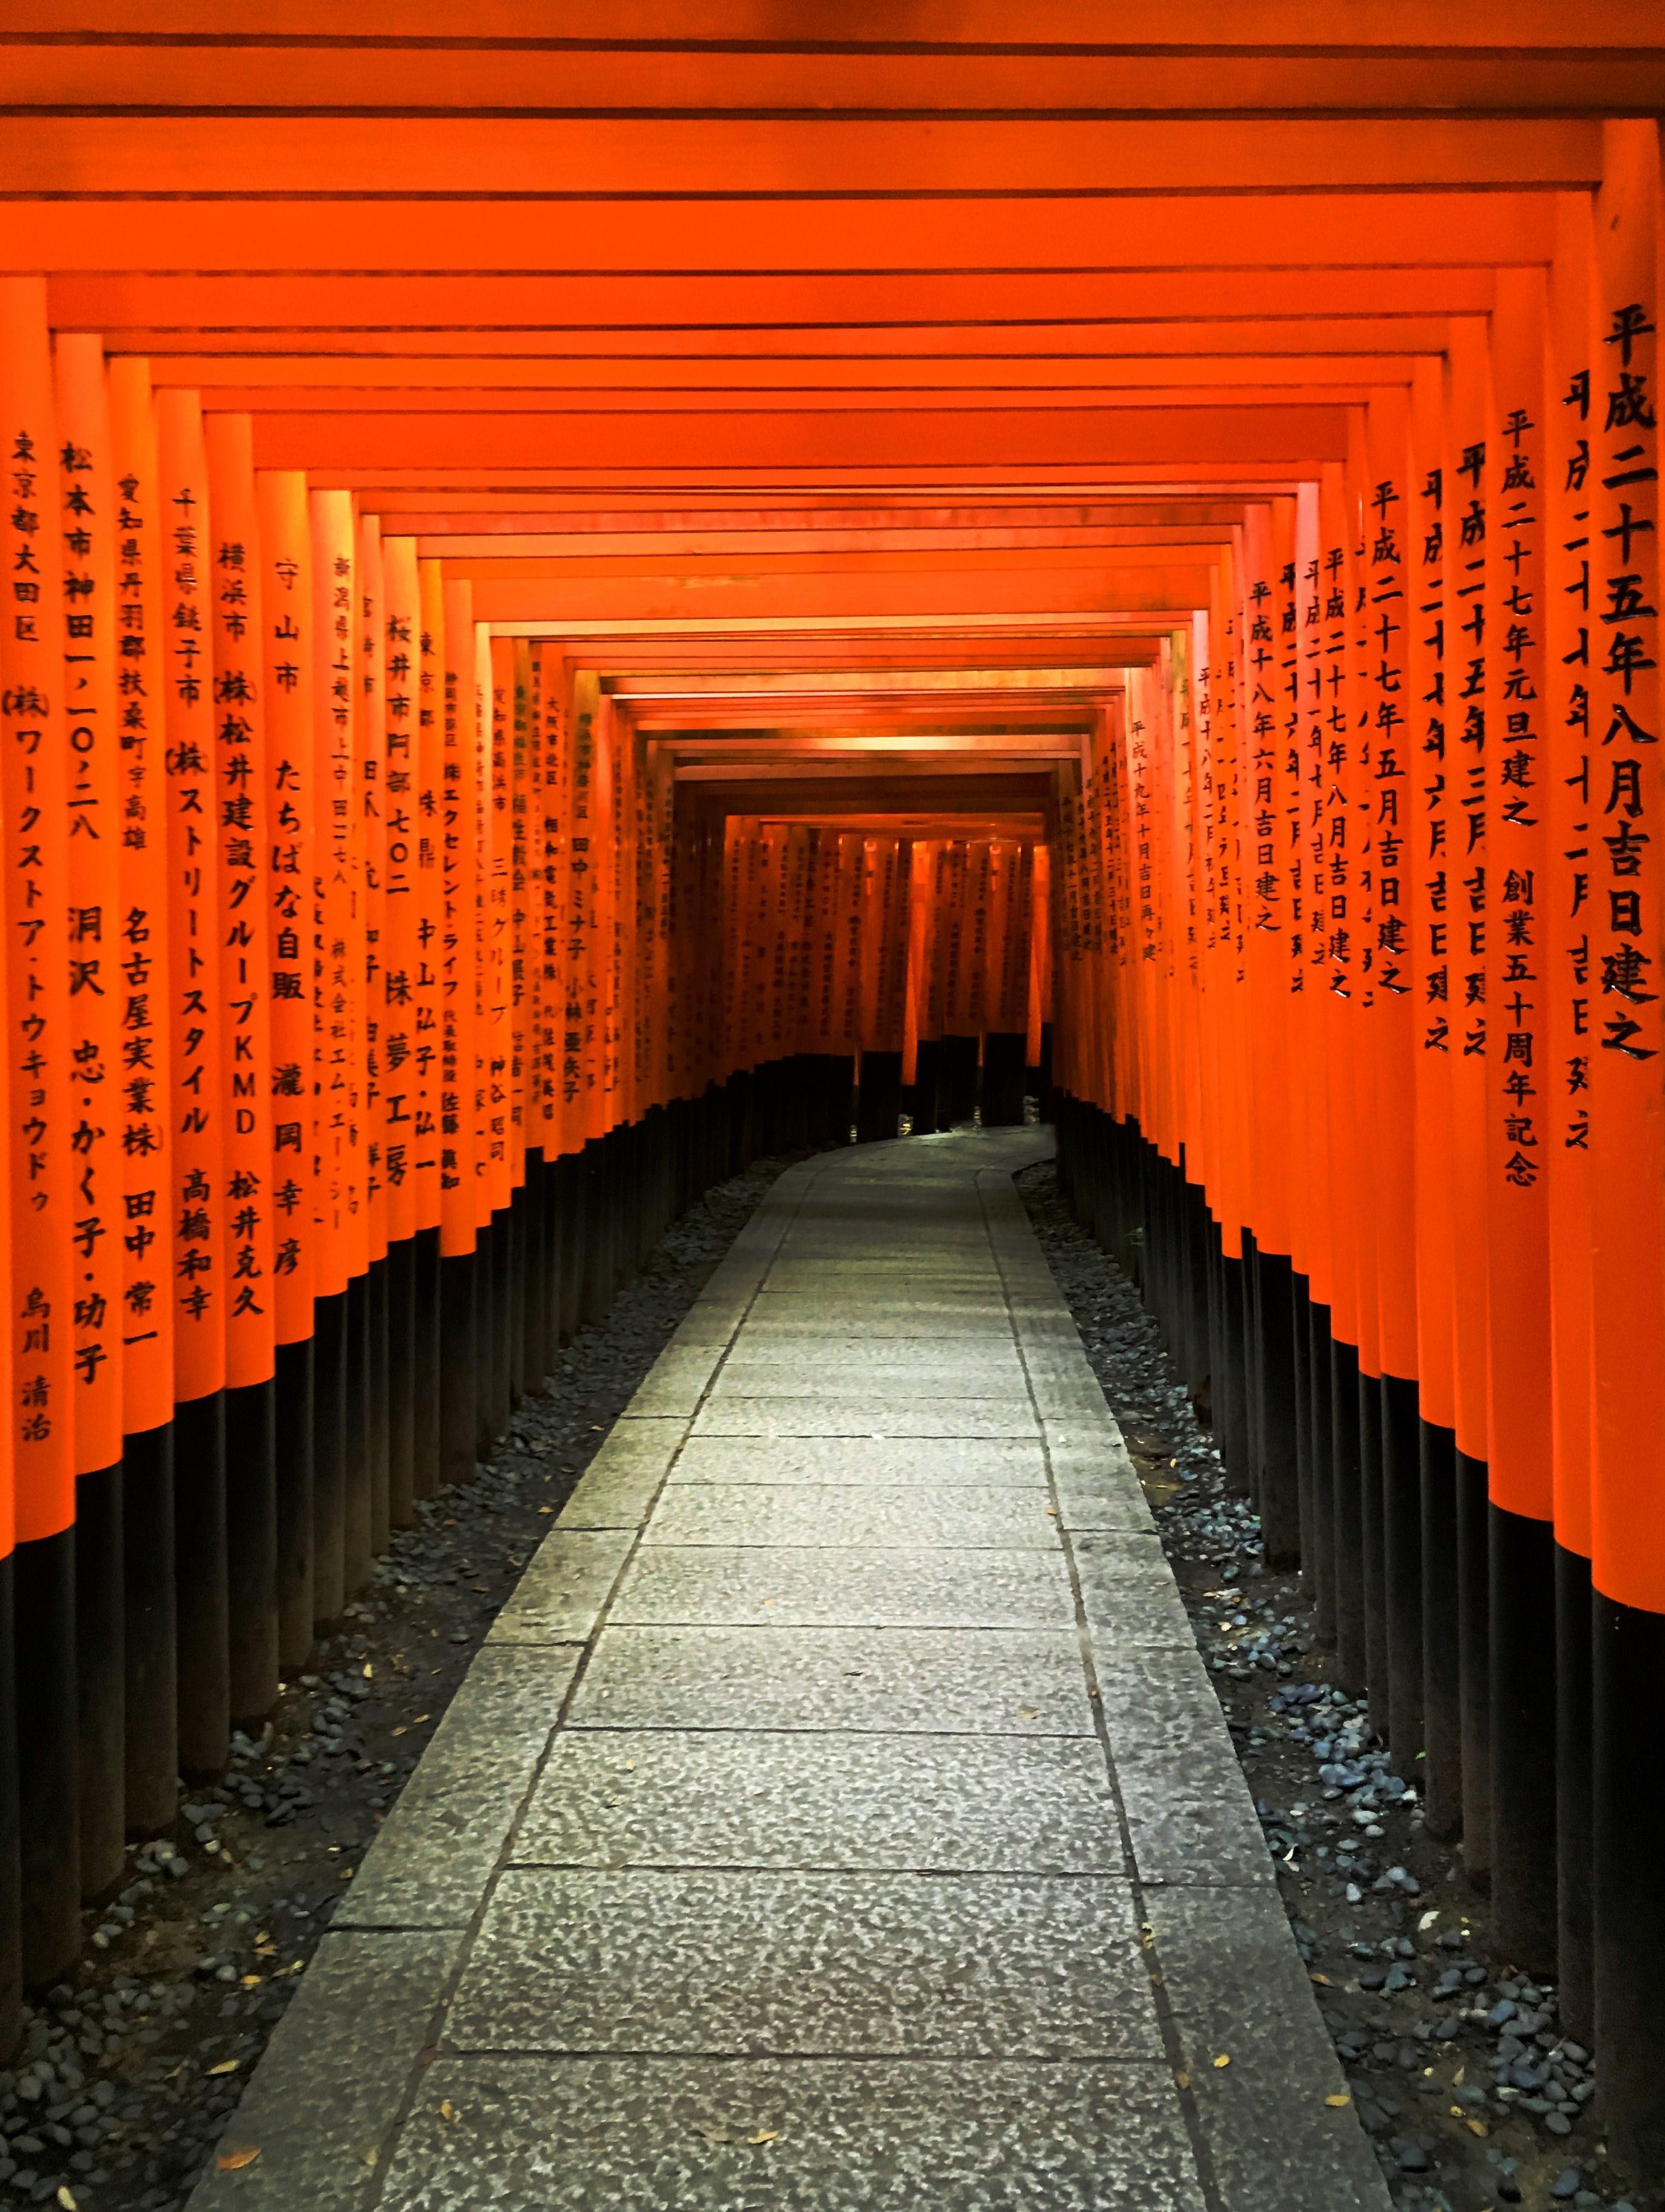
680 1377
775 1416
760 1964
323 2104
1237 1988
801 1377
836 1357
897 1462
974 1682
438 1849
619 1486
832 1800
784 1320
596 2135
995 1804
844 1587
921 1516
569 1578
1093 1508
1193 1841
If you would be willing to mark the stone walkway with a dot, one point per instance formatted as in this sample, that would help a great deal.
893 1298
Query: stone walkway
839 1815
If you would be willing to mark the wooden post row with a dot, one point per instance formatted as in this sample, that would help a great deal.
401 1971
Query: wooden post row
1355 906
373 996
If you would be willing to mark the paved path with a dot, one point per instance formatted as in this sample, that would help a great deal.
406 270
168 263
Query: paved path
839 1815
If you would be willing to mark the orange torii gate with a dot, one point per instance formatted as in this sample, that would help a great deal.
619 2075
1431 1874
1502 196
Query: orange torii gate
644 582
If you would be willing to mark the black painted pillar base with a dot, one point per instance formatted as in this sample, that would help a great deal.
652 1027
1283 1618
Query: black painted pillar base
1300 1354
460 1396
1524 1906
925 1087
376 1429
1441 1633
1401 1569
1002 1080
515 1325
595 1273
571 1208
879 1101
329 1457
1474 1634
1276 1455
1574 1778
537 1276
1229 1373
487 1241
48 1772
151 1721
1322 1429
427 1455
11 1900
554 1268
251 1428
100 1678
199 1579
293 1428
401 1382
1372 1548
1352 1650
1627 1825
504 1322
356 1535
1253 1374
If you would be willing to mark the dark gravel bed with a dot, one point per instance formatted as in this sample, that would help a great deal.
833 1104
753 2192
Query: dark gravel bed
128 2070
1471 2094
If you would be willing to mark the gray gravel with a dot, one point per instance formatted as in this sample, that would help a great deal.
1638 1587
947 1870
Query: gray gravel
127 2071
1460 2073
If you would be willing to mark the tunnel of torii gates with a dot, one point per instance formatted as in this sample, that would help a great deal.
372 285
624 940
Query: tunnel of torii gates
593 591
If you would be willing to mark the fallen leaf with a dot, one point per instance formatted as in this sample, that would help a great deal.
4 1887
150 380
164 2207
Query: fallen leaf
225 2066
1478 2128
448 2109
1182 2081
546 1509
765 2135
234 2161
251 1981
398 1731
66 2200
420 1718
1224 2058
1339 2103
369 1672
1322 1981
